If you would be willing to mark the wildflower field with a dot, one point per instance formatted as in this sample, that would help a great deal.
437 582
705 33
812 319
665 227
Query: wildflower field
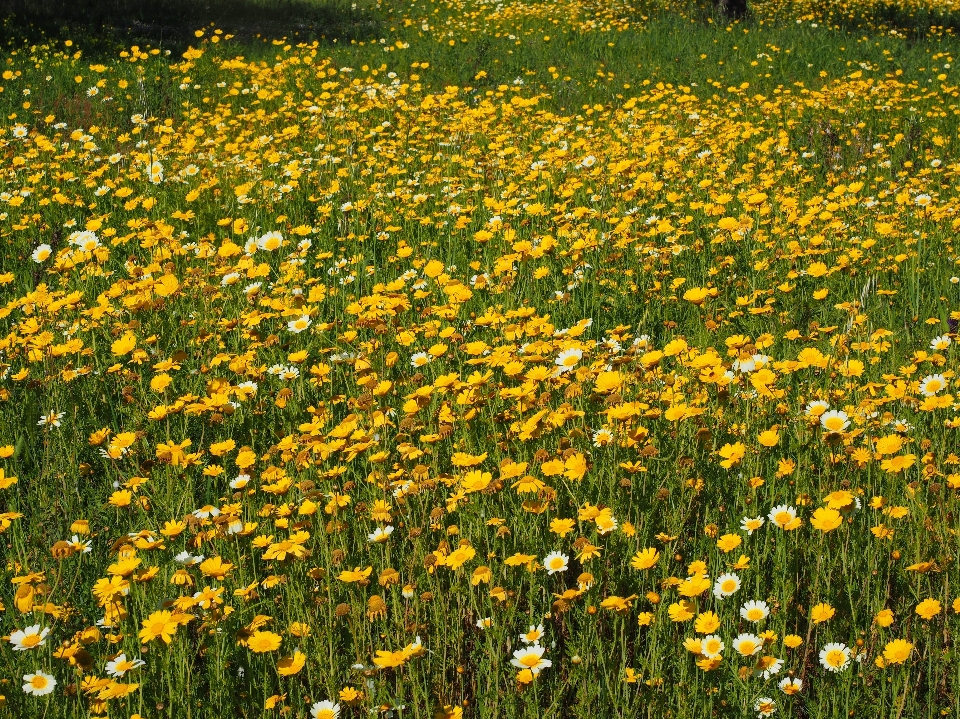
470 359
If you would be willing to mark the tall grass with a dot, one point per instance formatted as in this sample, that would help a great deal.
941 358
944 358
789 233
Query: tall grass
469 270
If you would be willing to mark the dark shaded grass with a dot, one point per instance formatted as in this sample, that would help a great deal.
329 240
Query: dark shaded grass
105 24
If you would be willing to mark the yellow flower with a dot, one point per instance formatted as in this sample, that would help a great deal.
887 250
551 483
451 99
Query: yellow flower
692 645
356 575
822 613
898 463
618 604
457 558
891 444
288 666
6 481
839 500
826 519
645 559
121 498
769 438
159 625
694 586
732 454
707 623
260 642
350 695
729 542
389 660
124 345
160 382
681 611
216 568
883 618
696 295
928 609
481 575
897 651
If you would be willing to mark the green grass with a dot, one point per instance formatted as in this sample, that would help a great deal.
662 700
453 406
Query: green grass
411 125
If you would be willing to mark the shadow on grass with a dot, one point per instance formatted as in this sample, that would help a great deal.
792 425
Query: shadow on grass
870 18
915 24
107 23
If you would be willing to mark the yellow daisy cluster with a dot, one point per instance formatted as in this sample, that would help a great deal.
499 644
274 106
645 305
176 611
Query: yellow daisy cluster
329 391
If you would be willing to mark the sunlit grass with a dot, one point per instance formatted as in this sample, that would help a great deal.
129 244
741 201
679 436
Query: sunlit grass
553 359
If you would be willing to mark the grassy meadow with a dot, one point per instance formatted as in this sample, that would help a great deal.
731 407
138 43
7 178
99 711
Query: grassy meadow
457 358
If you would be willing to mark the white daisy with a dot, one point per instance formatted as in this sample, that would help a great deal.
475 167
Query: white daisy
299 324
726 585
120 665
747 644
532 635
325 710
835 657
782 515
931 384
712 646
940 343
754 610
39 683
556 562
41 253
568 359
380 534
834 421
29 638
531 657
